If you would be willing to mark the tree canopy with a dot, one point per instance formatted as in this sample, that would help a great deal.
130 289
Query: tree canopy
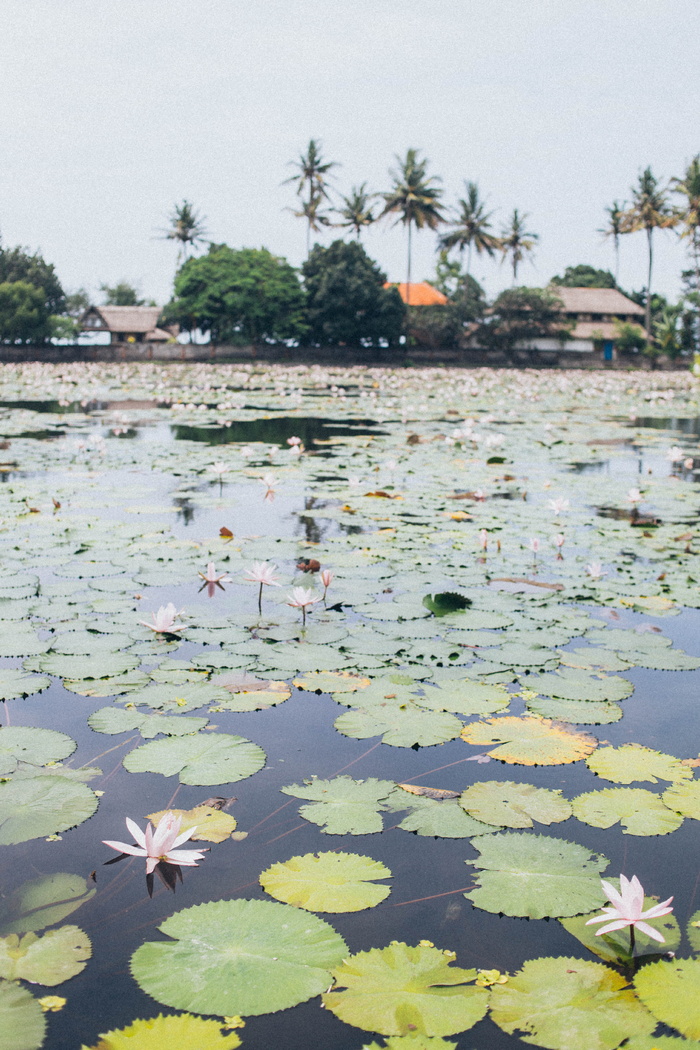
346 298
30 296
238 295
519 315
16 264
583 276
122 294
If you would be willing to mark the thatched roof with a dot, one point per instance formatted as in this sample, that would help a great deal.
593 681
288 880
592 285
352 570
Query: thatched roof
130 319
421 293
596 301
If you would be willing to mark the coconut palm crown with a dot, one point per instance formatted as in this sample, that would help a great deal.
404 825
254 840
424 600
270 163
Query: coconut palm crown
414 198
471 227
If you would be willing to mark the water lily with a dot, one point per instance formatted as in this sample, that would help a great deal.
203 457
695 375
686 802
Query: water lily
269 481
595 570
160 844
300 598
558 506
212 580
296 446
634 496
483 539
626 910
327 578
263 573
165 620
675 454
218 468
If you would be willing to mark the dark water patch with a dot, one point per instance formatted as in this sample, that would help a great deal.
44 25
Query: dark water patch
688 425
275 431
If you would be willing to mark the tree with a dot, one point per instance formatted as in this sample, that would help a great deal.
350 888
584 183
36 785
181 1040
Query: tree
628 337
415 198
311 181
347 302
471 228
187 228
16 264
649 211
23 314
121 294
667 332
519 315
689 188
357 210
516 242
583 276
441 326
614 228
238 295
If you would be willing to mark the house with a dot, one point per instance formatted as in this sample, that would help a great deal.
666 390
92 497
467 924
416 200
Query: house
590 315
129 324
419 293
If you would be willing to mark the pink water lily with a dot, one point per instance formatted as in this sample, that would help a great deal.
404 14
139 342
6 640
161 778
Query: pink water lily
165 620
300 598
161 844
327 577
626 910
263 573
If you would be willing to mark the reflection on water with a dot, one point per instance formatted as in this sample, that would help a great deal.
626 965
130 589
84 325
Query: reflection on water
682 426
275 431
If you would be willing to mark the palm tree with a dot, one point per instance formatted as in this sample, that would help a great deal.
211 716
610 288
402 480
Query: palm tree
311 183
689 187
357 210
414 197
186 227
516 241
613 229
471 227
649 211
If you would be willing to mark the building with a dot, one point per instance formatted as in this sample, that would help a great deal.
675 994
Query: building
589 314
129 324
419 293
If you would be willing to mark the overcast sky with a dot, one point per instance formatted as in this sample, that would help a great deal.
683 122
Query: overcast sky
112 110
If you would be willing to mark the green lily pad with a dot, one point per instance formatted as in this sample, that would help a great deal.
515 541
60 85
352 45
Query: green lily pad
328 882
238 957
43 805
402 989
445 819
511 805
43 902
536 876
216 758
465 697
631 762
22 1022
104 665
571 684
412 1042
183 1031
49 959
15 683
693 930
331 682
185 697
569 1004
446 602
343 806
112 720
578 712
670 989
38 746
640 812
22 640
400 725
615 947
684 799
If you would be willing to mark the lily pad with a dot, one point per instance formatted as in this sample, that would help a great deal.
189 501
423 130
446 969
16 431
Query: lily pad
343 806
465 697
113 720
38 746
327 882
569 1004
15 683
670 989
572 684
530 741
238 957
511 805
400 725
536 876
578 712
331 682
216 758
42 902
615 947
640 812
631 762
429 817
402 989
213 825
43 805
183 1031
22 1022
684 799
104 665
49 959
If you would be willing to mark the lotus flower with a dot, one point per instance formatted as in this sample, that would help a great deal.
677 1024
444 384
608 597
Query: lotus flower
300 598
262 572
165 620
269 480
160 844
626 910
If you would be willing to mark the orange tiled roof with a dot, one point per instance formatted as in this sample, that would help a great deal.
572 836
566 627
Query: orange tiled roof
421 293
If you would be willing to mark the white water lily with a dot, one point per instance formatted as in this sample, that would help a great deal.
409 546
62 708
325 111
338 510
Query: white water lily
165 620
160 844
263 573
301 598
595 570
626 910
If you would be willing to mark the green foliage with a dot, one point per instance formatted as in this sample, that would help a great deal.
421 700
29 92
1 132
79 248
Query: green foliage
583 276
16 264
640 812
42 805
519 315
671 991
328 882
27 744
50 959
615 946
23 315
512 805
178 1031
238 296
42 902
219 758
121 294
343 806
347 302
22 1023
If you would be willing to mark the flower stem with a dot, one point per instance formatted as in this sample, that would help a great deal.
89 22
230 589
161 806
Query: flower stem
632 940
303 616
260 600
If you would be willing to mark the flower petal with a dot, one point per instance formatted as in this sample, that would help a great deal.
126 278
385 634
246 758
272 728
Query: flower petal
618 925
644 927
121 847
136 832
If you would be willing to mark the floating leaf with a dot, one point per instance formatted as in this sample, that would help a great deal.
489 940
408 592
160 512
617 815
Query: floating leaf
536 876
185 697
671 991
412 1042
217 758
446 602
329 882
15 683
400 725
438 819
579 712
37 806
465 697
343 806
43 902
331 682
631 762
22 1022
640 812
511 805
684 799
402 989
530 741
569 1004
661 1042
112 720
693 930
38 746
49 959
106 665
213 825
615 947
181 1031
571 684
238 957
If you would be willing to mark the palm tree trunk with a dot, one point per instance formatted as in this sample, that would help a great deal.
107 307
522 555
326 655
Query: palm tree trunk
408 275
617 258
469 262
647 308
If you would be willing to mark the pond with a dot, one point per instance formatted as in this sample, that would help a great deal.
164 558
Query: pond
408 776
